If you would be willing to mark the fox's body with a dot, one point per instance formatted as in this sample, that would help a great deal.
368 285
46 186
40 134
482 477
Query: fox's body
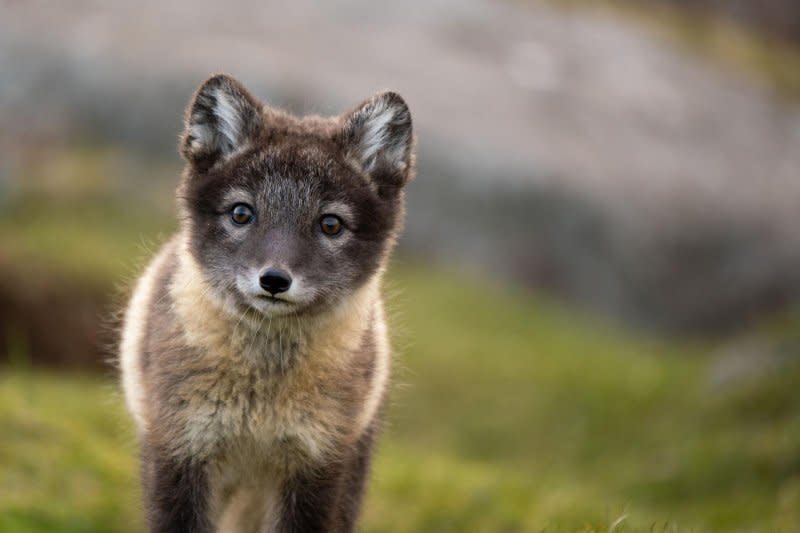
254 354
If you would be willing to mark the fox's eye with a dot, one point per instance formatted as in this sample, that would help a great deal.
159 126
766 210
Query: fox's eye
242 214
331 225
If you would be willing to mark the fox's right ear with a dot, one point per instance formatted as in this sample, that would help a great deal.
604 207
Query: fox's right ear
221 118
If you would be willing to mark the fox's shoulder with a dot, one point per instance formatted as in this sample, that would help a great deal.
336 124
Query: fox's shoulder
149 294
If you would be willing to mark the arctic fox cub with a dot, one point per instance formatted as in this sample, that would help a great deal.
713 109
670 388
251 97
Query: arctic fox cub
254 352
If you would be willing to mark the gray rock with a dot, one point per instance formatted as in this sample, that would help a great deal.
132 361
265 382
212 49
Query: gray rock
564 149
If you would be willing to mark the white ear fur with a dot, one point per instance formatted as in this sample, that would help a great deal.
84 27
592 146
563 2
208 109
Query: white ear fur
228 125
220 119
378 134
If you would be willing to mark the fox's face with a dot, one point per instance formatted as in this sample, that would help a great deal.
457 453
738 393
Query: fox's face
290 216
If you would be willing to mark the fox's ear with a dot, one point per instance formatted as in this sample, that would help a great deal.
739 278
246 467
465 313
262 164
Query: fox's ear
221 118
378 137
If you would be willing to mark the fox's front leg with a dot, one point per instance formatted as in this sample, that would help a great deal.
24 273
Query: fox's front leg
328 498
175 493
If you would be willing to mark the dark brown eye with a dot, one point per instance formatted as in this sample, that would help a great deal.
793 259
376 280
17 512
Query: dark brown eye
331 225
242 214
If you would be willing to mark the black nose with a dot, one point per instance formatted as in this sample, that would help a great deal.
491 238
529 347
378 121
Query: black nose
274 281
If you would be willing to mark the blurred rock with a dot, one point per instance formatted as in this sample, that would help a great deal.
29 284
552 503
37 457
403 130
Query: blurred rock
744 360
751 359
566 150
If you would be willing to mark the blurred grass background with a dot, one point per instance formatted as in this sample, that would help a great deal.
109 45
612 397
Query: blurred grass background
510 414
573 393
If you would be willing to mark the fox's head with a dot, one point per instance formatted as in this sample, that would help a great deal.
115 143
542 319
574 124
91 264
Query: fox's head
290 215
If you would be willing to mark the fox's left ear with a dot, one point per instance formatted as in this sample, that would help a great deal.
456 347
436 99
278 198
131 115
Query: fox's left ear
378 137
221 118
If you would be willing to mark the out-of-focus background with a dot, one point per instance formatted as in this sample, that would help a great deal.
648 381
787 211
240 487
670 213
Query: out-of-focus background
594 306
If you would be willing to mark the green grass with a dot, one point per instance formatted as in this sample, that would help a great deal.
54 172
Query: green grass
70 246
510 413
74 215
66 456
